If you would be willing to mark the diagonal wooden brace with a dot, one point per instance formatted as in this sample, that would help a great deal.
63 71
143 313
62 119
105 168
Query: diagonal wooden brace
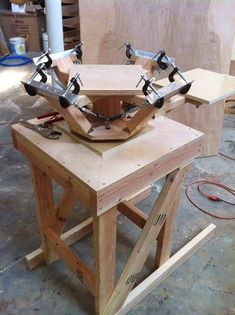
74 263
142 248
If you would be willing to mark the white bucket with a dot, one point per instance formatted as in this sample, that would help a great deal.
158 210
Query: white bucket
45 41
17 45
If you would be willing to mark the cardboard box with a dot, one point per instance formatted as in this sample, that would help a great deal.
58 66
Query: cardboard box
18 24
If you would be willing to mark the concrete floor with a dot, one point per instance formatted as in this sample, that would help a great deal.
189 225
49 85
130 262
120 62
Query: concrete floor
205 284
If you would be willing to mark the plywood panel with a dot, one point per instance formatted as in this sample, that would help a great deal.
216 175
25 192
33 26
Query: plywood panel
197 33
208 87
98 172
207 119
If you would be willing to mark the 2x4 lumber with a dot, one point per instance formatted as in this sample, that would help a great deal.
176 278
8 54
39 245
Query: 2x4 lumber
165 237
45 207
143 246
140 119
133 213
70 237
104 231
232 67
78 232
63 209
164 240
72 115
170 266
173 102
75 264
109 106
146 64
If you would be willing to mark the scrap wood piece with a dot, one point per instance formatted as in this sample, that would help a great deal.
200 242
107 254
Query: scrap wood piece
73 116
140 119
144 114
63 66
169 267
142 248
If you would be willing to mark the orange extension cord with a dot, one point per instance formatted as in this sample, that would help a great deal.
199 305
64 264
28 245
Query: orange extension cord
202 182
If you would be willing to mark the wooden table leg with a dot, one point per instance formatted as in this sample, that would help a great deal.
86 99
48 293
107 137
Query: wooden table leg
104 229
45 205
165 237
143 246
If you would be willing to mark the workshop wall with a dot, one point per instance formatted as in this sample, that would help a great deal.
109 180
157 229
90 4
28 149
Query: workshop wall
199 33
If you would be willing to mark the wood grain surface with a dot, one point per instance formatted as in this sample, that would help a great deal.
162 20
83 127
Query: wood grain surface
196 33
98 172
208 87
109 79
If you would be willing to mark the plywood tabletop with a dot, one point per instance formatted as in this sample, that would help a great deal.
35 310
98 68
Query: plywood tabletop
165 140
109 79
208 87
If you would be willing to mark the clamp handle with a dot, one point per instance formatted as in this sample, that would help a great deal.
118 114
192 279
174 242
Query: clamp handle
63 99
76 86
162 65
41 73
29 88
47 64
78 50
172 74
160 101
128 50
145 89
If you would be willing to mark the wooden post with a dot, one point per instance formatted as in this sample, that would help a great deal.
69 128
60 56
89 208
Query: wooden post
108 106
45 205
143 246
104 228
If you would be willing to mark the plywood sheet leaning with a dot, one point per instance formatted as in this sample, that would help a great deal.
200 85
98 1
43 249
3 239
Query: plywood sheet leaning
196 33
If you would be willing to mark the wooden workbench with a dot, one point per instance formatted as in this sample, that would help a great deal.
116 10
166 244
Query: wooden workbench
108 178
